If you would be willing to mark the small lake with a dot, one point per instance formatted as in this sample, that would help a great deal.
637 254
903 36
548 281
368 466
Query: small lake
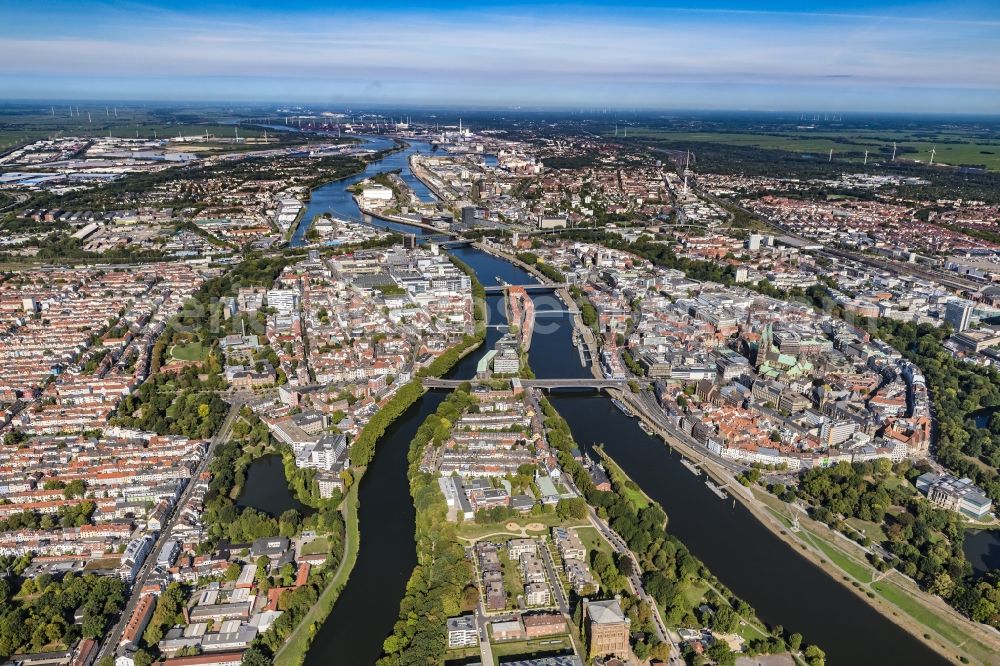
982 549
266 488
982 416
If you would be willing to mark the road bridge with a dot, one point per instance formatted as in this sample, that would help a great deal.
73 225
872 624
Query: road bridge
535 286
448 244
542 313
568 382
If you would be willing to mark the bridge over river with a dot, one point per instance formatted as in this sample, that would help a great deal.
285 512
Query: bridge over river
548 286
569 382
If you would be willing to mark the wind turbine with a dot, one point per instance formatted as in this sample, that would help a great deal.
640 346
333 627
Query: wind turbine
893 151
933 152
831 155
866 158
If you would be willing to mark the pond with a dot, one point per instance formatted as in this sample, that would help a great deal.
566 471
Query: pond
982 549
266 488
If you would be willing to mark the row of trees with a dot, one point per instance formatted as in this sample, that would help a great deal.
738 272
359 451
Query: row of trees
69 515
959 390
436 587
925 542
587 310
548 270
363 448
669 568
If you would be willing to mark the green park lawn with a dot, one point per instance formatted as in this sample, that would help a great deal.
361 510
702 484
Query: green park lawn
320 545
192 351
533 648
592 539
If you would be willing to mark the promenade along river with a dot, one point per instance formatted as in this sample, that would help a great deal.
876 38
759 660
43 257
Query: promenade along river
783 587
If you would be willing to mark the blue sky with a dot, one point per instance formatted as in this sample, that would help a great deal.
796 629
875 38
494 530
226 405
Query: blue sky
928 57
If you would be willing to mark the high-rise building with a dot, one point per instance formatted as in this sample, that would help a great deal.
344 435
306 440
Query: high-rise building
468 215
958 314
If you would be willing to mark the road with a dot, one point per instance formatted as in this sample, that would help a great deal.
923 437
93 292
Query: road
485 649
635 578
113 636
569 382
557 588
645 405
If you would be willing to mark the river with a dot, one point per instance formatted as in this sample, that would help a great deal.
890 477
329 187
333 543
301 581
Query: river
334 199
755 564
369 604
784 587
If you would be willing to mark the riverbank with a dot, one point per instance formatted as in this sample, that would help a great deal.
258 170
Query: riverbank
399 219
586 333
895 595
293 652
691 589
316 203
419 173
931 621
898 599
436 584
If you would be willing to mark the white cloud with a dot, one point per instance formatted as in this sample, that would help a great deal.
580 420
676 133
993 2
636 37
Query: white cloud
469 51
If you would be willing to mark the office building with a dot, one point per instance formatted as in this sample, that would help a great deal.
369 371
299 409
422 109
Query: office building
958 314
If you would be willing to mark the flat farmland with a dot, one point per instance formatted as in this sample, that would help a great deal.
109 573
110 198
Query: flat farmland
954 148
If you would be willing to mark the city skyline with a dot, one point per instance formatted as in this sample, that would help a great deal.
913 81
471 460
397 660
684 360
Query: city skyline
854 56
